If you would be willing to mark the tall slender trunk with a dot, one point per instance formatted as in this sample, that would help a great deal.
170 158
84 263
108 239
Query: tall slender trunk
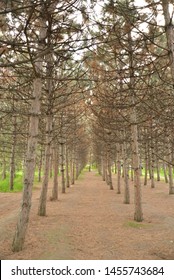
170 168
103 168
118 170
77 167
149 162
72 168
62 158
40 166
43 195
23 217
67 168
138 214
170 42
169 34
12 160
152 163
51 163
126 175
146 166
109 168
165 172
157 159
4 167
55 179
49 126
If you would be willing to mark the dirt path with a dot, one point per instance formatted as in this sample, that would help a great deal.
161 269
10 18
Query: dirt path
91 222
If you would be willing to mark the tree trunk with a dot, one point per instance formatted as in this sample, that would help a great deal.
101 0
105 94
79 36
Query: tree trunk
77 168
152 165
118 170
62 156
23 218
43 195
126 175
169 34
72 169
55 179
67 168
109 169
103 168
4 168
138 214
12 160
170 168
49 126
146 166
40 166
51 164
165 172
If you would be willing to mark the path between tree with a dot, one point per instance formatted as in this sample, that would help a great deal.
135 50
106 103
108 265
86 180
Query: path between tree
91 222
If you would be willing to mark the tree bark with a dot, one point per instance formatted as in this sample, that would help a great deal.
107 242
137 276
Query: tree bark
23 217
118 170
126 175
12 160
138 214
40 166
165 172
109 168
62 157
146 166
43 195
67 168
170 168
55 179
152 164
4 168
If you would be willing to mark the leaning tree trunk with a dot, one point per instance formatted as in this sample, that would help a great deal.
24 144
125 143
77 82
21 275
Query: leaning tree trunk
23 217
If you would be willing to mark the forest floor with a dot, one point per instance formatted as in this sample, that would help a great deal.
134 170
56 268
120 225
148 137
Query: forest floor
90 222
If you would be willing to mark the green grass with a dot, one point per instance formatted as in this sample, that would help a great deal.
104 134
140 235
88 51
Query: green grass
161 172
134 224
18 182
97 174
